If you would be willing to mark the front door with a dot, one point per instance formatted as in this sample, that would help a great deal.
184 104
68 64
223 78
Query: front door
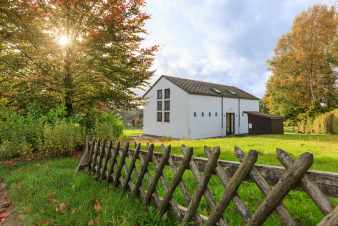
230 123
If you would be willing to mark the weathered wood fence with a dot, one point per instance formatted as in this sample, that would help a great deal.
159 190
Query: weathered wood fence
129 168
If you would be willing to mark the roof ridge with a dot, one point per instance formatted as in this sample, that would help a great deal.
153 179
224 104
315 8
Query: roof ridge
194 80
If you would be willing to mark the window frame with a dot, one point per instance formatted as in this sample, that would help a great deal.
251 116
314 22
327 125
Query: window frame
166 113
159 119
167 91
159 95
159 103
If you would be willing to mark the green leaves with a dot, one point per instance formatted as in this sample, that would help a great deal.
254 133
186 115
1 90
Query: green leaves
101 64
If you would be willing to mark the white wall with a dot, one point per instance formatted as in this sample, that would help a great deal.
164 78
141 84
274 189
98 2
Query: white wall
206 126
178 125
201 127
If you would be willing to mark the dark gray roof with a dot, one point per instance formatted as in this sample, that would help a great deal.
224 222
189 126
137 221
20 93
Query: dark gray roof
263 115
209 89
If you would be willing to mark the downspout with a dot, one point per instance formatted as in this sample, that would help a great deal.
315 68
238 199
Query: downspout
222 112
239 115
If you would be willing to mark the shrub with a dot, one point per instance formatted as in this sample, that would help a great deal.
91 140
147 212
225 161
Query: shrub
326 123
12 149
18 134
107 126
62 138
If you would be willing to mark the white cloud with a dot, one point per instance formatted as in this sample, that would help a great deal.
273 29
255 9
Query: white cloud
221 41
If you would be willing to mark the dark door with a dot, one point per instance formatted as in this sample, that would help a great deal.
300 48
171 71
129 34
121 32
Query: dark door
230 123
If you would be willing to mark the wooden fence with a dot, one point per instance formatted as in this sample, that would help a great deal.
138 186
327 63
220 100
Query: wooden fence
129 168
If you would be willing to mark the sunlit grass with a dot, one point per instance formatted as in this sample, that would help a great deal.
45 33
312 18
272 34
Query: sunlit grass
323 147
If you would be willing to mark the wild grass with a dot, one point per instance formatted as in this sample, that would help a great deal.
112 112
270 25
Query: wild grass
48 192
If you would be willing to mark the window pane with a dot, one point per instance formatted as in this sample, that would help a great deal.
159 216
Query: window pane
167 93
209 114
159 116
167 116
159 94
202 114
159 105
167 105
216 114
195 114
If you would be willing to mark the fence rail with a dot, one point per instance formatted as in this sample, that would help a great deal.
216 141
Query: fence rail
129 168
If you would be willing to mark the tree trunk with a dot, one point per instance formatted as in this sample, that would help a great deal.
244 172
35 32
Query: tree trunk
68 85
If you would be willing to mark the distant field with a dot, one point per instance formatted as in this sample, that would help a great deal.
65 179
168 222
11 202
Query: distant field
324 147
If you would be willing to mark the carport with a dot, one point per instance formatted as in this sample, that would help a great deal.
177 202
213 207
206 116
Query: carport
261 123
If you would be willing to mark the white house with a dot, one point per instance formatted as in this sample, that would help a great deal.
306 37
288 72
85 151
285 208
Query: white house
184 108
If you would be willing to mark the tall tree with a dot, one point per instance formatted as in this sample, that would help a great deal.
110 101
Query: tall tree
304 64
78 53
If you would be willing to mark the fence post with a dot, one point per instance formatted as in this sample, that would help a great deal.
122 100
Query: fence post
230 189
176 180
144 169
158 174
132 166
202 185
281 189
120 166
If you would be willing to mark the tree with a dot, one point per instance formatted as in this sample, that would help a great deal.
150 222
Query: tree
81 54
303 66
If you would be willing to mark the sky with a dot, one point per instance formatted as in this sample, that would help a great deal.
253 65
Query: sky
220 41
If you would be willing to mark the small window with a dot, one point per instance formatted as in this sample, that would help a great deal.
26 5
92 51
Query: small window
159 94
166 93
216 114
166 116
167 105
209 114
159 105
202 114
159 116
195 114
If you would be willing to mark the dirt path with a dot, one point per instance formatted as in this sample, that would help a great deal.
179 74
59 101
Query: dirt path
7 214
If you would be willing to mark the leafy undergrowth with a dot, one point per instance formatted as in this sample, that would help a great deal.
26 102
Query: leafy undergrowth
49 193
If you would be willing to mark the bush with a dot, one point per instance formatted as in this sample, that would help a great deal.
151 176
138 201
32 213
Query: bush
18 134
51 133
62 138
107 126
326 123
12 149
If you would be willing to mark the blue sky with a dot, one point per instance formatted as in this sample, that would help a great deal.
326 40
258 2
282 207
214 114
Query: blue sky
221 41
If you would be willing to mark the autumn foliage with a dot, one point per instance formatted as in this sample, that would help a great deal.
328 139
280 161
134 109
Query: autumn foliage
304 66
102 65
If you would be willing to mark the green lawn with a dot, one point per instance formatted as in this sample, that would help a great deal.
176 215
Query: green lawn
49 193
323 147
132 132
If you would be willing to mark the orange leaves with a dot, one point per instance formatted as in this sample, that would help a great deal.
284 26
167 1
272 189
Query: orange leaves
61 208
97 205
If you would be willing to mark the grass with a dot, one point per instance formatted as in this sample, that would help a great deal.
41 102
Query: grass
48 192
323 147
132 132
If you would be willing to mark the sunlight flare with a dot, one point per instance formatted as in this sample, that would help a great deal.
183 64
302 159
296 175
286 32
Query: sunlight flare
63 40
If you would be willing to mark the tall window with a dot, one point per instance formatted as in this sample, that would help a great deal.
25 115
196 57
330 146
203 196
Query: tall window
159 106
163 105
159 94
167 94
167 105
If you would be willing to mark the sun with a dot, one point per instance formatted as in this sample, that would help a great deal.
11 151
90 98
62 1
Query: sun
63 40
